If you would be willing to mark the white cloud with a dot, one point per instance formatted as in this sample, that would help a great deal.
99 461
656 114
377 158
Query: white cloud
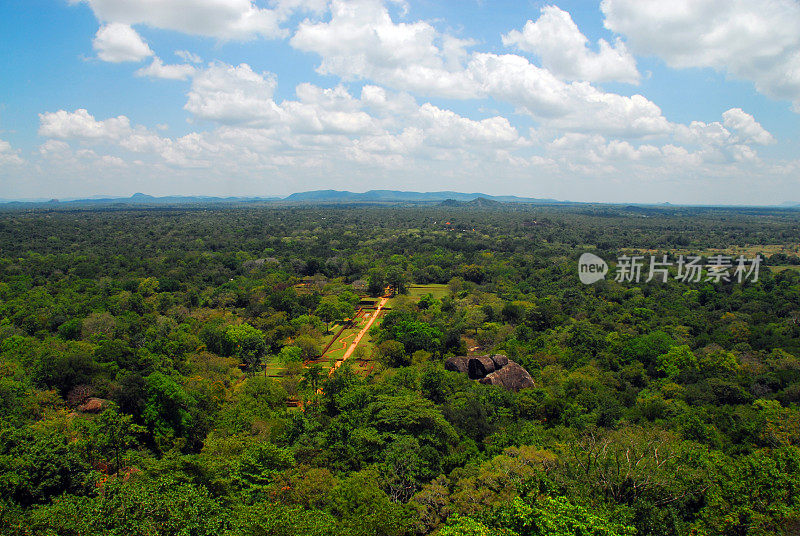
157 69
222 19
332 136
594 156
757 40
332 111
748 129
189 57
322 126
117 43
82 125
233 95
584 138
445 128
575 106
738 129
564 50
238 96
362 42
8 155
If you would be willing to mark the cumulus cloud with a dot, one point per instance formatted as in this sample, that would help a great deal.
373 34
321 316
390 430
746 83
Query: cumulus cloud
389 130
376 128
748 129
233 95
572 106
756 40
362 42
330 134
222 19
392 128
737 128
8 155
117 43
330 111
157 69
556 40
81 125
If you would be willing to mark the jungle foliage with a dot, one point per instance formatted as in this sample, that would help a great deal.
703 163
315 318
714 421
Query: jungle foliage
659 408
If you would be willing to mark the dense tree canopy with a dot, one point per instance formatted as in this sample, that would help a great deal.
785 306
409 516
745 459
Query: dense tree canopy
161 373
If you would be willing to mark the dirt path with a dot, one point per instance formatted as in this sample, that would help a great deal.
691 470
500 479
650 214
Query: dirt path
361 333
342 340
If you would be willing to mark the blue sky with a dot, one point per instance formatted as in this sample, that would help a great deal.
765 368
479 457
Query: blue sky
619 100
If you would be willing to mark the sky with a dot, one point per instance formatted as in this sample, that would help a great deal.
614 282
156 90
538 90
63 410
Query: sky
687 101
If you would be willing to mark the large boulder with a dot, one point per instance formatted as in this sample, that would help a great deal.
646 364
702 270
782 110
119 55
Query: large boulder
500 361
512 377
480 366
457 364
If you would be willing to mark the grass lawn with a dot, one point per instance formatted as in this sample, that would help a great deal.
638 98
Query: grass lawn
438 290
415 292
342 343
274 367
747 251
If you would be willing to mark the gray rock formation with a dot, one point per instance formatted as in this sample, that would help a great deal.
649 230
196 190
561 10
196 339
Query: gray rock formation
512 377
480 367
500 361
457 364
494 369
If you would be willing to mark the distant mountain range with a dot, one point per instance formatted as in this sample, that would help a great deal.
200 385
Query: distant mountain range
397 196
141 199
302 198
452 199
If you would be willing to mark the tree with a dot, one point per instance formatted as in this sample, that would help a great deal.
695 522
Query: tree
413 334
259 466
393 354
329 310
141 506
290 354
548 516
312 377
112 433
396 279
248 344
166 411
676 360
376 282
474 273
334 309
309 348
754 495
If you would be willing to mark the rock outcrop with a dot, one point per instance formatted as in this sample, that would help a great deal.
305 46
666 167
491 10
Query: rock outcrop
494 369
500 361
457 364
512 377
480 367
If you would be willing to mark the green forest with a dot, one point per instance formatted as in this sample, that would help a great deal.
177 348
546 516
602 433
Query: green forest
182 371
